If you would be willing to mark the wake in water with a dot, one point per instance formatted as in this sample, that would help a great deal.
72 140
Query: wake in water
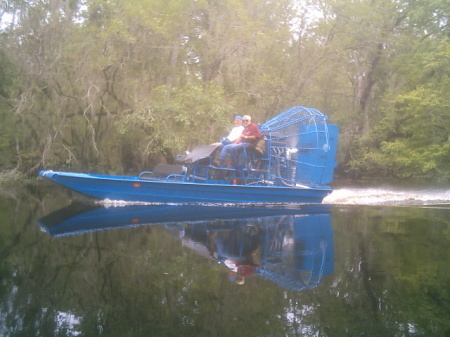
375 196
344 196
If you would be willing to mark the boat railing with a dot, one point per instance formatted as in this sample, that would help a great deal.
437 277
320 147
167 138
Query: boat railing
165 172
251 170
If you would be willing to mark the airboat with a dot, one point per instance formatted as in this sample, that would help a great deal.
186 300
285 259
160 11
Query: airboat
293 162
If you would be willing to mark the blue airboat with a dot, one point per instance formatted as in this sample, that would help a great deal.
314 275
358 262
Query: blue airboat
293 162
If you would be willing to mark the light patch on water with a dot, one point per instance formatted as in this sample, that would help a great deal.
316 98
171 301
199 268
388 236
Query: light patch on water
66 323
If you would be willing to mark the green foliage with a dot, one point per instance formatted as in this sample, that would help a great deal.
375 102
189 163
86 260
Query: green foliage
411 139
178 119
9 86
121 85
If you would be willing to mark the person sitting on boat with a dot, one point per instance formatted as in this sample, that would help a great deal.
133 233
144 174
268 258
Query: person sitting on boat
235 133
248 138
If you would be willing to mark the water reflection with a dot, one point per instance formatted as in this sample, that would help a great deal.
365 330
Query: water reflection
292 247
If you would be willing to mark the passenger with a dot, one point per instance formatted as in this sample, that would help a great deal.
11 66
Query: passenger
248 138
234 133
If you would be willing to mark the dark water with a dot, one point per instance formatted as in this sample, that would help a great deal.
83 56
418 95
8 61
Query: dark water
370 262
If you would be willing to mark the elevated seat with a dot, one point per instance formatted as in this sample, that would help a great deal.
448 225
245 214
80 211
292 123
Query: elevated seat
254 157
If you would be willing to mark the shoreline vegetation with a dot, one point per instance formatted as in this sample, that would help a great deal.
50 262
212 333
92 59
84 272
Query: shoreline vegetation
120 86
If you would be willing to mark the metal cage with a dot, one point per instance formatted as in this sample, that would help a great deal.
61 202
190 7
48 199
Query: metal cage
301 147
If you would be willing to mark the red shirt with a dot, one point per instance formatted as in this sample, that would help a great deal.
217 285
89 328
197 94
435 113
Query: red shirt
251 130
246 270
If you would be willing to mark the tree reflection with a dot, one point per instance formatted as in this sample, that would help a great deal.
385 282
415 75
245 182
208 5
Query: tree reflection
163 274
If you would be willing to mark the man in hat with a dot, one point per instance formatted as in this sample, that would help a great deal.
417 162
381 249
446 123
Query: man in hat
248 138
235 133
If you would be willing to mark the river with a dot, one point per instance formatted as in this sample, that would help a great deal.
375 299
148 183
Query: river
366 262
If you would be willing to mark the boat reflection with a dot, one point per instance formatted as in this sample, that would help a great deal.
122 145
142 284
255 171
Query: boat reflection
292 247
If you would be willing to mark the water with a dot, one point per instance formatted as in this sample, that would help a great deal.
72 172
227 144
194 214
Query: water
369 262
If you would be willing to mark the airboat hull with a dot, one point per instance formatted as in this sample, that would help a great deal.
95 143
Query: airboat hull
135 189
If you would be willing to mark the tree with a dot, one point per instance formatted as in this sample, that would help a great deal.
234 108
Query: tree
121 85
411 137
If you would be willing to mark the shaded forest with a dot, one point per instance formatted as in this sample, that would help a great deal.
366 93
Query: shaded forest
115 86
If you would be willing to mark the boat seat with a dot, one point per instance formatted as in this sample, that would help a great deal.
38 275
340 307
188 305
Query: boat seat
165 171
